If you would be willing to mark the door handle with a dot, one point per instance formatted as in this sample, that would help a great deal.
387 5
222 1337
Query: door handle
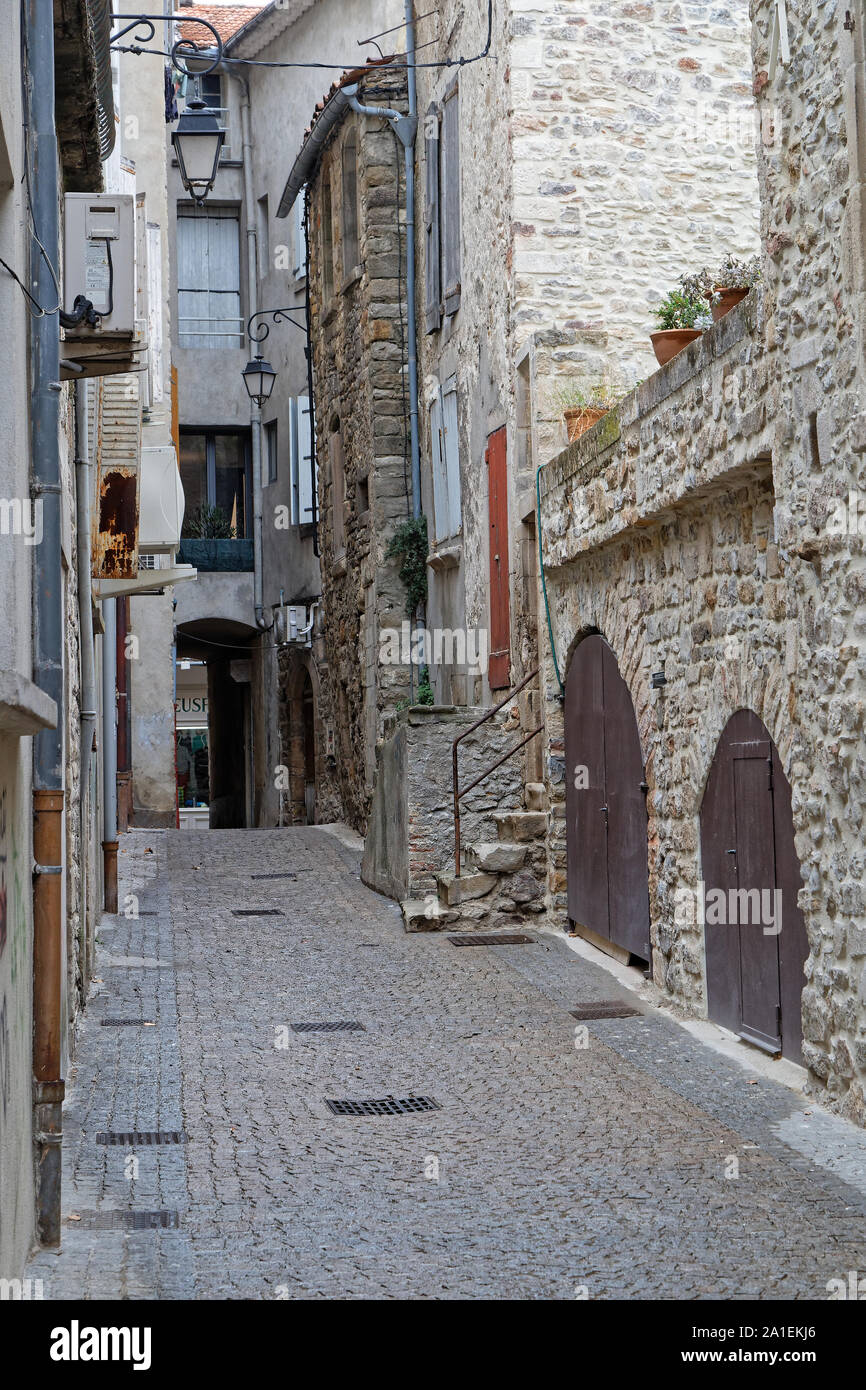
731 851
603 810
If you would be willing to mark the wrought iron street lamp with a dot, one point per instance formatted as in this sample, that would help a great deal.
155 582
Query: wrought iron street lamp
259 377
199 138
197 143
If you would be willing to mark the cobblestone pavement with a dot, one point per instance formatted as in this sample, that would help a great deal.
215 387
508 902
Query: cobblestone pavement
549 1170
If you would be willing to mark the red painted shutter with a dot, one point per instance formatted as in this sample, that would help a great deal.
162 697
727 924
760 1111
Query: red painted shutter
500 626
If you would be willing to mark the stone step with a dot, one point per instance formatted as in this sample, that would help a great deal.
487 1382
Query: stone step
535 796
520 825
421 914
453 890
497 856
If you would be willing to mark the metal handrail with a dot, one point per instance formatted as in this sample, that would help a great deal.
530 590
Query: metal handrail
459 739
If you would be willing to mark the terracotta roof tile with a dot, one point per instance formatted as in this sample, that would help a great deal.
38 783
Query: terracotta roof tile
226 19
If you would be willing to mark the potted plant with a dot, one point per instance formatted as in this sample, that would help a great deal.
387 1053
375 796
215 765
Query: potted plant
682 316
731 282
583 405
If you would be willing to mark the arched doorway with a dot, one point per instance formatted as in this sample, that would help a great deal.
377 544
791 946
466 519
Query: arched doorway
608 882
755 935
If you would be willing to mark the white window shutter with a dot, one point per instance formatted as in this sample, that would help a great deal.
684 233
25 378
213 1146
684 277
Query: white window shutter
452 462
299 240
437 452
304 456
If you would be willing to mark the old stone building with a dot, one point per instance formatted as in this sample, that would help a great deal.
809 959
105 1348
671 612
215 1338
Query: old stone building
703 561
352 164
554 217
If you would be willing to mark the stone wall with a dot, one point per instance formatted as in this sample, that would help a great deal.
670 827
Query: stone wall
812 223
361 415
411 832
633 135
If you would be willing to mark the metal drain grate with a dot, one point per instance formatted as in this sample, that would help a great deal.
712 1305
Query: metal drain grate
256 912
341 1027
125 1221
412 1105
128 1022
273 875
501 939
139 1136
605 1008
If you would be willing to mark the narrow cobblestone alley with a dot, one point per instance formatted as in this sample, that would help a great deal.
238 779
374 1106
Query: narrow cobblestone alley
549 1171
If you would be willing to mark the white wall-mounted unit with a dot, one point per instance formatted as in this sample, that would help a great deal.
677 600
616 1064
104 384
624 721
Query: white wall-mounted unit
99 260
161 500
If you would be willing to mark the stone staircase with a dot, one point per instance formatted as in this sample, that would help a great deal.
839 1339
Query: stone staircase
502 882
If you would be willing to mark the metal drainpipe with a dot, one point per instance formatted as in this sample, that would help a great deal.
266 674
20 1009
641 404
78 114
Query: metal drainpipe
405 128
85 619
253 304
48 631
109 753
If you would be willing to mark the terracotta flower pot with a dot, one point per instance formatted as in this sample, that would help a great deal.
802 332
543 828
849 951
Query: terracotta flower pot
670 341
579 419
726 301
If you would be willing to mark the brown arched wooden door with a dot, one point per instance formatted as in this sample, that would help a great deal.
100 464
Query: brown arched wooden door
608 883
755 935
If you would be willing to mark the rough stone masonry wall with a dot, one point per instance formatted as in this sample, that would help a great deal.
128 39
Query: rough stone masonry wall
696 588
634 162
359 357
411 835
812 180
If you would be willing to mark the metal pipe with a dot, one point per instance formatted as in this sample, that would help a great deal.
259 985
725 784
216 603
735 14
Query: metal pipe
48 629
409 9
88 709
109 753
252 305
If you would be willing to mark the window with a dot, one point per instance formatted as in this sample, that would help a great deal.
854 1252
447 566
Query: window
351 243
271 450
301 461
211 89
449 181
215 472
327 240
208 278
299 237
442 210
446 462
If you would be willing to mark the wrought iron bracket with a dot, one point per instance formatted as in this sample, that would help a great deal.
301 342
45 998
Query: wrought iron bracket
180 48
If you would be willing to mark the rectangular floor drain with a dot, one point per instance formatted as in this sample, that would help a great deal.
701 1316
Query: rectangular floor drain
500 939
124 1221
127 1023
141 1136
340 1027
605 1008
389 1106
273 875
256 912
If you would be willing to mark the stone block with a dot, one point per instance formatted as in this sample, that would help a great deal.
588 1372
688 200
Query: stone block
453 890
497 856
520 825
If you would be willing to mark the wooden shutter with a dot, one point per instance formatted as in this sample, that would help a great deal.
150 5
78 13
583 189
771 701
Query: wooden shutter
437 452
452 459
299 238
450 197
433 295
305 457
499 673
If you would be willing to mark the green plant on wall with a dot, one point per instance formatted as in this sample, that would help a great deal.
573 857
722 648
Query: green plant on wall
409 545
425 689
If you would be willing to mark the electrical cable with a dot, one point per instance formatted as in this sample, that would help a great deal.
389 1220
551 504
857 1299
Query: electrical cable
347 66
40 312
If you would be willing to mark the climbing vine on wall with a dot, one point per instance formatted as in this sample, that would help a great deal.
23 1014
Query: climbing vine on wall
409 544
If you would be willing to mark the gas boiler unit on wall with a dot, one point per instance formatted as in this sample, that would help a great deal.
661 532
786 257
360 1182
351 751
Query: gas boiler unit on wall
99 261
